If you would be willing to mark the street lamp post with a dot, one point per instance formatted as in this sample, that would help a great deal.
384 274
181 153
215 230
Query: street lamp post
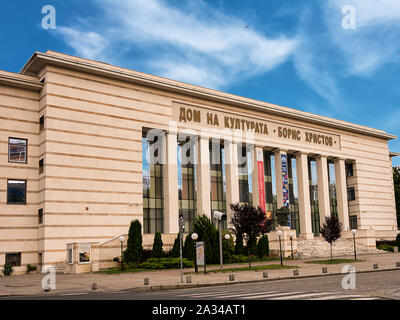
354 240
291 243
181 226
122 239
279 232
194 238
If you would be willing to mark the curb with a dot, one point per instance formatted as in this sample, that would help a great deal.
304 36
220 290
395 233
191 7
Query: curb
204 285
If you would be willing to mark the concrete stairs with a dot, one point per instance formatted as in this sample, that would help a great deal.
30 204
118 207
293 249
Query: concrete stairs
319 248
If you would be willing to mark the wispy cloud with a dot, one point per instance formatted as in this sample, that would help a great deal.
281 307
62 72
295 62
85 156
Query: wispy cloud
199 44
374 42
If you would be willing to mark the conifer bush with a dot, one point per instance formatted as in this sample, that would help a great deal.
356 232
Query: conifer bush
157 251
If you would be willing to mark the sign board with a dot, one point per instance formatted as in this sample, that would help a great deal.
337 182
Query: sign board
200 257
84 252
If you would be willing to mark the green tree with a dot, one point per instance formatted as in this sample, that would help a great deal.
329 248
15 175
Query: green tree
176 248
263 246
331 230
207 232
239 248
188 248
157 251
134 250
396 181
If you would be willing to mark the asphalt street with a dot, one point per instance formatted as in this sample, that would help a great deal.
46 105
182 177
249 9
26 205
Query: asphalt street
369 286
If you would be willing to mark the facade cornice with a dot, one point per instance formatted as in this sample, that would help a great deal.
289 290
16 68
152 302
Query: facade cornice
20 81
39 60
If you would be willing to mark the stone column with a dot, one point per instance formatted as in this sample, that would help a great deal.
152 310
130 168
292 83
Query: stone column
257 155
171 207
231 173
278 173
304 196
341 193
323 189
203 177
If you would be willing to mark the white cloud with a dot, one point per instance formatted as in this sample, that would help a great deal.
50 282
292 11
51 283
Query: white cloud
198 43
90 45
374 42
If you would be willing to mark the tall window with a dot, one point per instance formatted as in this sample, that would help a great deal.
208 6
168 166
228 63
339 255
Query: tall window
153 195
270 186
217 173
17 150
313 178
293 195
187 185
244 175
16 192
332 189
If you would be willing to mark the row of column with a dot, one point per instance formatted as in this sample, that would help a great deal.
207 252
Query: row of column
171 210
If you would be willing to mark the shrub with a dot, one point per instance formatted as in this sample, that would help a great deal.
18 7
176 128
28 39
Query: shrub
166 263
30 268
239 248
188 248
8 269
397 242
157 251
263 246
176 248
146 254
228 248
134 250
282 216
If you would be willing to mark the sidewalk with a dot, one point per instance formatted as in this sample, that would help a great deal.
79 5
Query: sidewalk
170 279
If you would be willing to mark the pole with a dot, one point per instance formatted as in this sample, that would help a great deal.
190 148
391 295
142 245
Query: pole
205 260
280 249
122 256
180 244
220 245
355 253
291 245
195 259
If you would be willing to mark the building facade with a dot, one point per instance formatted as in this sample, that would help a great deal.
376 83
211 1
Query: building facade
88 147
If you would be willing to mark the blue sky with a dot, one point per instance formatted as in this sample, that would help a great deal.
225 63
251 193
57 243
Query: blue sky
288 52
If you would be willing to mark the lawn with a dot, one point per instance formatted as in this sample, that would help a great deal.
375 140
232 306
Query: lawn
334 261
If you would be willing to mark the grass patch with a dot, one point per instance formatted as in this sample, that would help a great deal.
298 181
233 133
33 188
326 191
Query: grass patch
118 270
334 261
255 268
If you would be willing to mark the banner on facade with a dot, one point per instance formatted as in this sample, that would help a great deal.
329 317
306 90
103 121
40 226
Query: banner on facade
260 168
200 258
285 180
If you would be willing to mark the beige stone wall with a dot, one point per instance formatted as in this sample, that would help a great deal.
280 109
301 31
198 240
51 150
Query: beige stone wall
91 188
19 223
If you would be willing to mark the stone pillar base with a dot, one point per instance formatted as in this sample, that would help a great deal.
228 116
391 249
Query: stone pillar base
306 236
285 242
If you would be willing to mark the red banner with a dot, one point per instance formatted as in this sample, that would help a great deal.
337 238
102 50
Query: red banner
261 191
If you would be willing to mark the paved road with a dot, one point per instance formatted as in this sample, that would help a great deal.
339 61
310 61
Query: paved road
369 286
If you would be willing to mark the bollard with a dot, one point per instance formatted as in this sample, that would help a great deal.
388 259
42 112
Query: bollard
296 272
231 277
146 281
395 249
324 270
94 286
375 266
397 264
188 279
265 275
